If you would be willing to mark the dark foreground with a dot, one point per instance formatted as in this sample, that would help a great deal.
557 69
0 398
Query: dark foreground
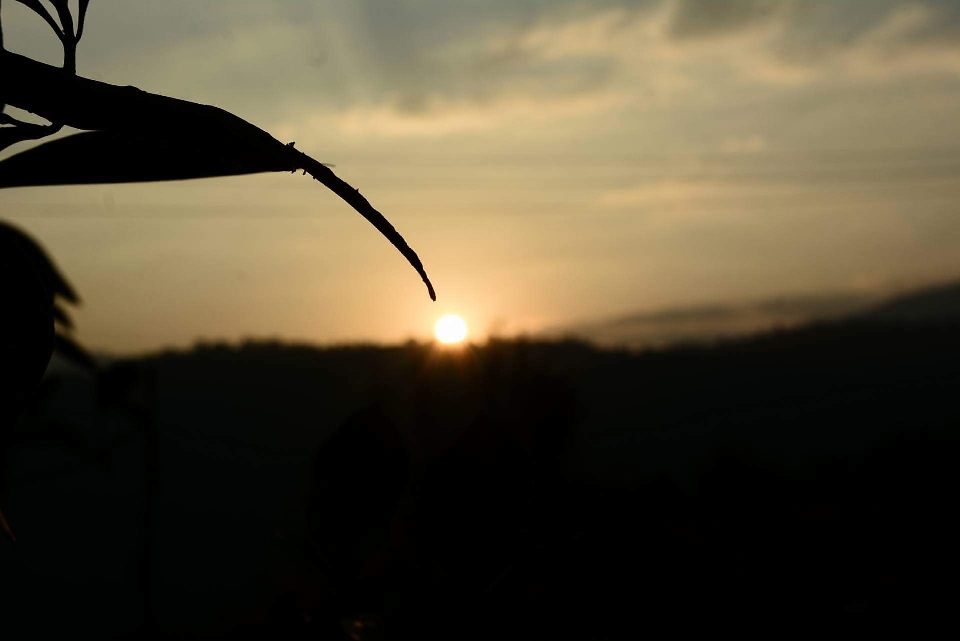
797 484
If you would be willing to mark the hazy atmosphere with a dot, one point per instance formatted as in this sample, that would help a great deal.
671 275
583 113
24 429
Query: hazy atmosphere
553 163
692 370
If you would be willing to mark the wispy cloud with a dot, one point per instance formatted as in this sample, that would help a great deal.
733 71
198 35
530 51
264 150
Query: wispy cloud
436 116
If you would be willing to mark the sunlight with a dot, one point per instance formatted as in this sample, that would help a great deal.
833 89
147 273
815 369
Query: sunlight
450 329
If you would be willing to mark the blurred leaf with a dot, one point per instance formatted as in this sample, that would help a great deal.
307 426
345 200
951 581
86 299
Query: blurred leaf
73 353
61 316
52 278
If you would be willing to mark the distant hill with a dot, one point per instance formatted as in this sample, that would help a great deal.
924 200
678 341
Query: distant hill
711 322
932 305
797 469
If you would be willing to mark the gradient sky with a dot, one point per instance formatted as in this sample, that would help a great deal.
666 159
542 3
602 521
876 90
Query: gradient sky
551 162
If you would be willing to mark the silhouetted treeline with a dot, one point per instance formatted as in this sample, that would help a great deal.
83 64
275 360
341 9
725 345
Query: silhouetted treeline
795 484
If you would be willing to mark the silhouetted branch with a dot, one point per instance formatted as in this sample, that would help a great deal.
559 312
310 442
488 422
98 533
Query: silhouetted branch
21 131
37 7
65 31
66 20
67 37
81 18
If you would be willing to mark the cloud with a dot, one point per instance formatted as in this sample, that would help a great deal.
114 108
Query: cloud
435 68
913 39
749 144
673 60
435 116
674 192
693 19
767 42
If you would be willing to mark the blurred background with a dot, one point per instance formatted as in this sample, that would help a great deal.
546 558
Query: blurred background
708 256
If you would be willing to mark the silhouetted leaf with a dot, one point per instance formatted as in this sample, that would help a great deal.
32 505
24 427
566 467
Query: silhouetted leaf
142 124
52 278
61 316
121 157
10 136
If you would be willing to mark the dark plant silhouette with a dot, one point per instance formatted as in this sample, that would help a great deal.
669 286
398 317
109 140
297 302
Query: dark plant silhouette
128 135
27 336
62 294
135 136
35 291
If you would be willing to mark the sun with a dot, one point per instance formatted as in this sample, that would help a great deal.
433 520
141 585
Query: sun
450 329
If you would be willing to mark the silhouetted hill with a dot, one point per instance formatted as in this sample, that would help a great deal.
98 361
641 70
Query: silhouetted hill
711 322
940 304
781 484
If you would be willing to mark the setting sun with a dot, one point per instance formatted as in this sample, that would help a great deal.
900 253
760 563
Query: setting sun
450 329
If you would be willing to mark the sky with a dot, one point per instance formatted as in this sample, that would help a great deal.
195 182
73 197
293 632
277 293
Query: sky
553 163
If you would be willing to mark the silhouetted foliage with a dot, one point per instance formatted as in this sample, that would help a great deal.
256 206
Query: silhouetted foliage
135 136
34 326
129 136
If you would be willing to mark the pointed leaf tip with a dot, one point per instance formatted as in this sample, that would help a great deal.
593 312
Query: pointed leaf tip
351 195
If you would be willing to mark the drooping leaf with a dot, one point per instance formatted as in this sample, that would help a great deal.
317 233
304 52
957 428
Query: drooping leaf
223 144
97 157
10 136
54 280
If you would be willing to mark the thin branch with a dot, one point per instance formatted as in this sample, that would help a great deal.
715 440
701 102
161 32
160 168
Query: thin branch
23 131
64 31
66 20
41 11
69 40
80 18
